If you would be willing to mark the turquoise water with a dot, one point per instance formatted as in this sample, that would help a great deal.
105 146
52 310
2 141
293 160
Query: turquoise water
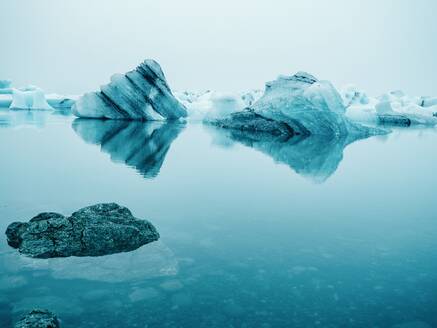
254 233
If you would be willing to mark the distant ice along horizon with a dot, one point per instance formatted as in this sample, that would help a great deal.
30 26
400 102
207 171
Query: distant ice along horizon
221 45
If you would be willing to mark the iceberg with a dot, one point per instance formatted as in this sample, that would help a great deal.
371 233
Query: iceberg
141 94
392 108
298 104
29 98
307 105
141 145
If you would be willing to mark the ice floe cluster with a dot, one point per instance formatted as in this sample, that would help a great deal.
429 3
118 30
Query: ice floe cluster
393 108
212 104
300 102
31 98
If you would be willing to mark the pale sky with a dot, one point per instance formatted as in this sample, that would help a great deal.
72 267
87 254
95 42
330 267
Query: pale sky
72 47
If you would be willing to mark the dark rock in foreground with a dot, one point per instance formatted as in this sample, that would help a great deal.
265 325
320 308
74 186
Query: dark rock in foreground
96 230
38 319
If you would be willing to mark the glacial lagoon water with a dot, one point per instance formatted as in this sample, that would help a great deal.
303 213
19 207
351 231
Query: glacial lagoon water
254 233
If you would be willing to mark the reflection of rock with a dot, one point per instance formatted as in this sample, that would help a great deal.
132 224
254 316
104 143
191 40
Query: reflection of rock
38 319
137 144
92 231
153 260
141 94
313 156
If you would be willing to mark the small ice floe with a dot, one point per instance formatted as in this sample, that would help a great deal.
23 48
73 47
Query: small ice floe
60 101
213 105
29 98
32 98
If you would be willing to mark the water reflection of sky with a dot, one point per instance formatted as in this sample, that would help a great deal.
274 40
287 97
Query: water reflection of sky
244 241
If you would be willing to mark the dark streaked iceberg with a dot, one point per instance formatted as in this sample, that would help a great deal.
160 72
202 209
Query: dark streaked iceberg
141 94
312 156
142 145
92 231
304 105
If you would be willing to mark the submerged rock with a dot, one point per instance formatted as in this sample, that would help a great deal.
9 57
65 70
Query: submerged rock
141 94
300 104
155 260
92 231
142 145
38 319
393 119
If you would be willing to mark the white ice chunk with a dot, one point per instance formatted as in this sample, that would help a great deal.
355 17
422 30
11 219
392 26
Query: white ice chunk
212 105
416 110
29 98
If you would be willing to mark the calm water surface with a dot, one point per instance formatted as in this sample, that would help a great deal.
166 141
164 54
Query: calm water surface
254 232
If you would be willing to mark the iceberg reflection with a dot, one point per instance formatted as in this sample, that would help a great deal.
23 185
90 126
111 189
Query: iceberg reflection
141 145
314 156
17 118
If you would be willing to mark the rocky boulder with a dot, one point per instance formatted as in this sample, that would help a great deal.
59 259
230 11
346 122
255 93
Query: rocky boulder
92 231
38 319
